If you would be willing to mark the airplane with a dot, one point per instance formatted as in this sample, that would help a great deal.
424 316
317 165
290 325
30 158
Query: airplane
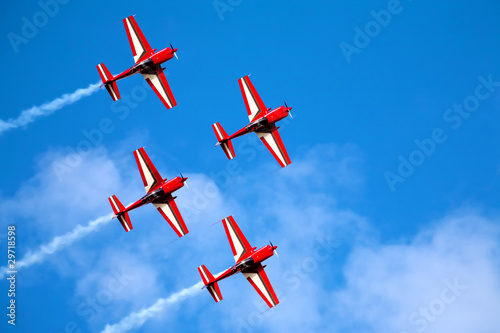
262 122
159 193
147 62
248 262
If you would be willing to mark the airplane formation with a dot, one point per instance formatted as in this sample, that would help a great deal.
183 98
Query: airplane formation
248 259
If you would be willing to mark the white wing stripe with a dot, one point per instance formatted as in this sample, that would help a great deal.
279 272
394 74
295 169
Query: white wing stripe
103 72
228 150
254 108
214 292
139 50
124 222
260 284
150 179
115 206
218 131
155 80
111 90
239 248
114 94
170 214
205 277
273 144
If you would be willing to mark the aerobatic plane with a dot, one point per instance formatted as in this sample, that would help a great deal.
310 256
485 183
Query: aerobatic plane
147 62
262 122
158 192
248 262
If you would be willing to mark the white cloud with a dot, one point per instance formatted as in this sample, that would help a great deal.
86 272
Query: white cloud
50 215
53 207
298 210
287 219
30 115
446 280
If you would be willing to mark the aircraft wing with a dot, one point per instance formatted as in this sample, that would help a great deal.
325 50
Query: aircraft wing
255 106
138 43
258 279
159 83
150 176
170 212
273 142
239 244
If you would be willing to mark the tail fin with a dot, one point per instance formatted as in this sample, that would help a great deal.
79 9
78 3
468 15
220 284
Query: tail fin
118 209
209 282
223 141
107 79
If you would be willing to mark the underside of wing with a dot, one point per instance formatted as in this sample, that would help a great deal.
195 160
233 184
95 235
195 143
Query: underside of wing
272 140
253 102
138 43
239 244
159 83
168 209
150 176
258 279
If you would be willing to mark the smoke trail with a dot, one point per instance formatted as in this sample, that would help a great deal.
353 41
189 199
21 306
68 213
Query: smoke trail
29 115
137 319
58 243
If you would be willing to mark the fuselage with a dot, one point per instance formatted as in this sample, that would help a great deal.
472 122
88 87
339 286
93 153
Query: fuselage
148 65
159 193
249 263
263 123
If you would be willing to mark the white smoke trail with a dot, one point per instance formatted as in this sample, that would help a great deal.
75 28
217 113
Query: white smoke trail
57 243
137 319
29 115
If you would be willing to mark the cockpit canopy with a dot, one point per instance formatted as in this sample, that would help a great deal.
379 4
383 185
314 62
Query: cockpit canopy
157 193
243 264
154 195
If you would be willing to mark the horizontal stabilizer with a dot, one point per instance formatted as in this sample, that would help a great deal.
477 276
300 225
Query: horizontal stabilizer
210 284
122 216
104 73
112 89
107 79
222 140
227 146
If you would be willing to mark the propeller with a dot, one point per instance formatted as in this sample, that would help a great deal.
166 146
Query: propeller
289 112
185 181
175 53
275 252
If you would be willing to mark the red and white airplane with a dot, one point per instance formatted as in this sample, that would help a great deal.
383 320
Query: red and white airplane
147 62
262 122
159 193
248 262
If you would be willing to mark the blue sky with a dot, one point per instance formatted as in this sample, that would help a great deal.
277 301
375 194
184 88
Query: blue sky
394 237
